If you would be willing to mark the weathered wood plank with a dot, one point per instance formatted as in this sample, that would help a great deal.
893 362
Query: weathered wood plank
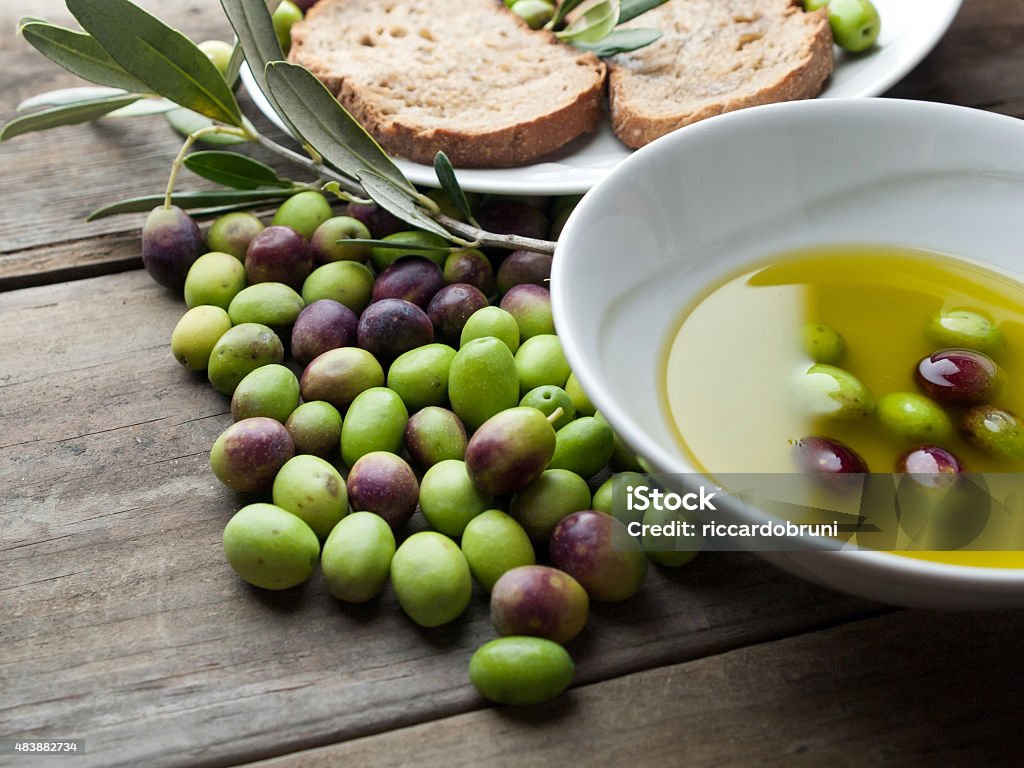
977 64
907 689
123 625
53 180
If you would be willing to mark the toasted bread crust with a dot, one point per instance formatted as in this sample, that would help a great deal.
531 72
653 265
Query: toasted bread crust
636 118
569 105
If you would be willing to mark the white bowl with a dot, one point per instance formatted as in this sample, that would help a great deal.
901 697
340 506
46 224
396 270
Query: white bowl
683 213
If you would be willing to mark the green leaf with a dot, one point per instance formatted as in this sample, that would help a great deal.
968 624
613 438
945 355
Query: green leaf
70 114
621 41
450 185
64 96
193 200
254 29
79 54
562 11
396 200
185 121
630 9
235 64
326 126
143 107
231 169
598 18
161 57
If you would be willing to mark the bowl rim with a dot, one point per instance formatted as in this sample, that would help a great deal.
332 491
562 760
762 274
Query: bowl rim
934 573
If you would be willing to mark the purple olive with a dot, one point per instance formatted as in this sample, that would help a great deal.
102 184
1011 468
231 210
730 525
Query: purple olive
450 309
279 255
323 325
958 376
524 267
929 460
248 454
382 483
171 242
389 327
530 305
470 266
597 550
376 219
413 278
509 216
539 601
822 455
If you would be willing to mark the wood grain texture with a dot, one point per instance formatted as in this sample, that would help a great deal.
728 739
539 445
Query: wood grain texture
123 625
978 64
907 689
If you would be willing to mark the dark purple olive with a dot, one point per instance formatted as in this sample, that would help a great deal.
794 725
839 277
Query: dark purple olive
510 216
450 309
323 325
958 376
930 465
389 327
171 241
376 219
279 255
996 431
524 268
382 483
470 266
413 278
824 456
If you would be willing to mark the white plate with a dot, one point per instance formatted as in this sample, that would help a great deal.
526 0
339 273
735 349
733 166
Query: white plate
910 29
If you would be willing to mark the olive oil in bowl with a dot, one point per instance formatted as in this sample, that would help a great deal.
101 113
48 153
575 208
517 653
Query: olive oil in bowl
734 368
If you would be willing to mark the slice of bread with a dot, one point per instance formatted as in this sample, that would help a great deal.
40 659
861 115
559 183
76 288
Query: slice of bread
469 78
716 56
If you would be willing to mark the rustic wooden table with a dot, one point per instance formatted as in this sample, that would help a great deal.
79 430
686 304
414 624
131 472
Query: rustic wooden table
121 624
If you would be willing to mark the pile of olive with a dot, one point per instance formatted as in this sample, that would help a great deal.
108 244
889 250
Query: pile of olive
381 390
957 385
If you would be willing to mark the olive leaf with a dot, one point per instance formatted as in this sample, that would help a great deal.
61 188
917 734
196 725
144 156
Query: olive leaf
396 200
186 122
165 60
69 114
220 198
597 19
450 185
561 12
231 169
65 96
621 41
254 29
328 128
630 9
79 54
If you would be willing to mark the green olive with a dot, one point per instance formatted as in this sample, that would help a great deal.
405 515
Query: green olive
855 24
284 18
963 328
521 670
914 416
823 343
536 13
833 393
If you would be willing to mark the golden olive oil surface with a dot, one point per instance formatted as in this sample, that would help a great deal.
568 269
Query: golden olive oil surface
732 363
